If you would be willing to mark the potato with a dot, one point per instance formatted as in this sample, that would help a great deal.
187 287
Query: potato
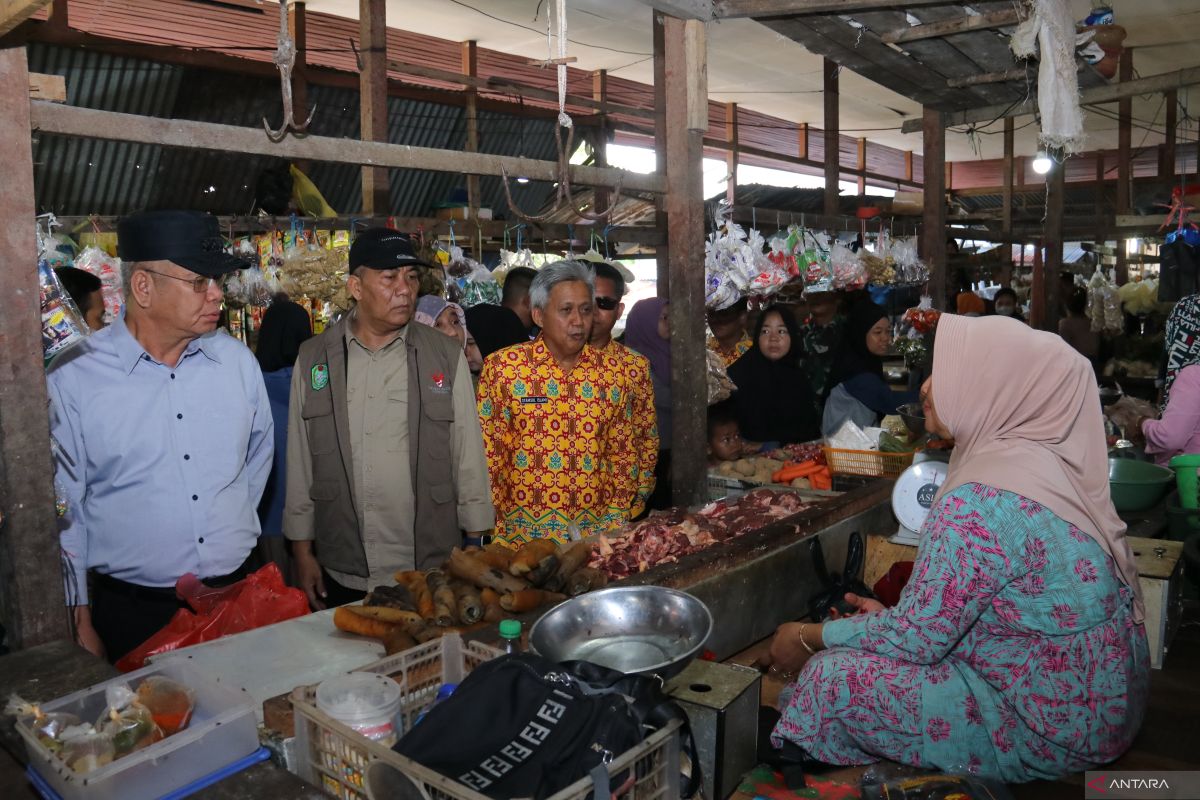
801 483
727 469
761 477
770 464
744 466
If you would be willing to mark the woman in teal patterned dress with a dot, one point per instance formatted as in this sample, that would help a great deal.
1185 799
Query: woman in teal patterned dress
1017 650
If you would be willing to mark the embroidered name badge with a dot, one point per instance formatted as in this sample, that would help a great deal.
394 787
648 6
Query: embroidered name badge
439 384
320 377
534 401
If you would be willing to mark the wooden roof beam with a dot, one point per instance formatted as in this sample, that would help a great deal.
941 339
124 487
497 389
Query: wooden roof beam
14 12
930 30
1099 94
90 123
730 9
684 9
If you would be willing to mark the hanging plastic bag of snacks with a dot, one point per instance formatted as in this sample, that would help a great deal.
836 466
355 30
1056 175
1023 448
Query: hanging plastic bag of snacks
848 272
814 262
62 324
108 270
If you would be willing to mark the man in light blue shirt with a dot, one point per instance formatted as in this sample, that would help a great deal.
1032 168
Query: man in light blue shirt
166 438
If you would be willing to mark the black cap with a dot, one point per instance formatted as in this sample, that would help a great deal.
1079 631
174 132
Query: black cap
190 239
383 248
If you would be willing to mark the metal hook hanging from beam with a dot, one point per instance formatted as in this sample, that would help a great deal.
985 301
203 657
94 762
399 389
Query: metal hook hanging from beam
562 195
285 60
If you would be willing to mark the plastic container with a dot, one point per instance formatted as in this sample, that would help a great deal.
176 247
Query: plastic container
1185 467
364 702
335 758
222 731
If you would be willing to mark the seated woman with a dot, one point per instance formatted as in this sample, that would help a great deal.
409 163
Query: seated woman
860 393
1017 648
774 400
1178 430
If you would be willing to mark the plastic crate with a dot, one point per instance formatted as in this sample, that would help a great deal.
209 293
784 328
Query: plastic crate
222 731
722 486
871 463
335 758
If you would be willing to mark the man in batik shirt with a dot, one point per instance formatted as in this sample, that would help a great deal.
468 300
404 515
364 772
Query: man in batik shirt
558 421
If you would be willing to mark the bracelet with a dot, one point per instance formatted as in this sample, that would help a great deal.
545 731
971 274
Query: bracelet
804 643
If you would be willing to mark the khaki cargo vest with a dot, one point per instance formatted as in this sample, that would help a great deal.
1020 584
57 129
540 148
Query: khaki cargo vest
336 524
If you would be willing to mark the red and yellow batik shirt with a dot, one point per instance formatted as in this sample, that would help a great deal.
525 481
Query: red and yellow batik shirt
559 446
730 356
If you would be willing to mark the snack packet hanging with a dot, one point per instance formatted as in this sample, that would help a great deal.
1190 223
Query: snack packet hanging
62 324
848 272
108 270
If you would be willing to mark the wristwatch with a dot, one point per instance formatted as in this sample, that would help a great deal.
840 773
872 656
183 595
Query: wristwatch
478 541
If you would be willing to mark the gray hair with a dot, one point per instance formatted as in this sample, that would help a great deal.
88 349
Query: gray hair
552 275
127 270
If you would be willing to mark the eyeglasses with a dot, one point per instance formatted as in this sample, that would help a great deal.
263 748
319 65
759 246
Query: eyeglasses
606 303
200 283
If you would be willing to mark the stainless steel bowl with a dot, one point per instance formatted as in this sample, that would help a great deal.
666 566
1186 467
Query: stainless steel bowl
914 418
634 629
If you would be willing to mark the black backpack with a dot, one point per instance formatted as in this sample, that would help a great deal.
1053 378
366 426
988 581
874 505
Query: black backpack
524 726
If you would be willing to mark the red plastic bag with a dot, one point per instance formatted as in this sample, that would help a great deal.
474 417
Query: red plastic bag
260 599
888 588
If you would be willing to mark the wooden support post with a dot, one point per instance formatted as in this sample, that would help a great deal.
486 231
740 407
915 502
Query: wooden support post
373 98
1055 186
686 57
1166 169
731 155
470 68
832 146
862 166
949 175
802 151
1124 158
1101 205
600 140
31 584
1007 201
1037 290
933 225
59 16
908 165
662 253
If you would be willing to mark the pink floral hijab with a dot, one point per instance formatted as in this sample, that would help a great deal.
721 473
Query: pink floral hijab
1023 408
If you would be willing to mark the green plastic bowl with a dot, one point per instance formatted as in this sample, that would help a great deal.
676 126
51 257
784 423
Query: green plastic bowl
1137 485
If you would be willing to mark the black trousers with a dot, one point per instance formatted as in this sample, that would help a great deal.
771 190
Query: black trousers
126 614
338 595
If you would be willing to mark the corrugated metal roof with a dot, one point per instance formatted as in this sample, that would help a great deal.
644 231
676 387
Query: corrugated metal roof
83 176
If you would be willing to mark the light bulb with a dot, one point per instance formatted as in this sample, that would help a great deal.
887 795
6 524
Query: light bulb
522 180
1042 163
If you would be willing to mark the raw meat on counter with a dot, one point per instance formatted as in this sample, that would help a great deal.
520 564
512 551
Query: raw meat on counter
664 538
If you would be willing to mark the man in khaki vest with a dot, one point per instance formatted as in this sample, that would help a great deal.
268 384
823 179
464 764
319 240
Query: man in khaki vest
385 461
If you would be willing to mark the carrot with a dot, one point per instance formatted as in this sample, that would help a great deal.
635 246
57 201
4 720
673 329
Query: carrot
528 600
822 480
792 471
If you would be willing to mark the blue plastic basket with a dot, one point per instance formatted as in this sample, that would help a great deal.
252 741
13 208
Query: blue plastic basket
257 757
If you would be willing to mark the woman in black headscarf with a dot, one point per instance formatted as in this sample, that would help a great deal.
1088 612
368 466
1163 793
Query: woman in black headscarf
861 394
285 326
774 399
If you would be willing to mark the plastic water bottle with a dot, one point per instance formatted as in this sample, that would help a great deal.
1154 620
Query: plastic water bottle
510 632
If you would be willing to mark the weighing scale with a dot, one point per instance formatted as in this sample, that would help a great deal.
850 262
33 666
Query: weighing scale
913 495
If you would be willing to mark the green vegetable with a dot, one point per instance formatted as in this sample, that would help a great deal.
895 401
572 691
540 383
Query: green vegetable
890 444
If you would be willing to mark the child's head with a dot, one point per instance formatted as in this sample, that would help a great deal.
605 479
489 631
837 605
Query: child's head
724 438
